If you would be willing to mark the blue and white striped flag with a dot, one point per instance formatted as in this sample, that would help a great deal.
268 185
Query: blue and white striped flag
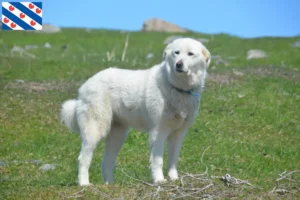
22 16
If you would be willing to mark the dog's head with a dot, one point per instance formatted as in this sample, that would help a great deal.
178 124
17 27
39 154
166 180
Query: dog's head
187 61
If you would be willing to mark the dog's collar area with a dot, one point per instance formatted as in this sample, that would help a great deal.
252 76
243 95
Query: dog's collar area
195 94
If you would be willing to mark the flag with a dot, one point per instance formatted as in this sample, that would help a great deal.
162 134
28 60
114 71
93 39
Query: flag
22 16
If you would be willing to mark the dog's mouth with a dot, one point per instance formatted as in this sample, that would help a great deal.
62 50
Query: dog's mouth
180 70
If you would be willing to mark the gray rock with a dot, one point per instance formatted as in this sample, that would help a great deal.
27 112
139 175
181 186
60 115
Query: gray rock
256 54
3 164
221 61
203 40
5 177
20 81
35 162
238 73
28 47
241 96
15 162
149 56
218 60
21 51
47 45
48 28
17 49
47 167
159 25
214 57
231 57
170 39
297 44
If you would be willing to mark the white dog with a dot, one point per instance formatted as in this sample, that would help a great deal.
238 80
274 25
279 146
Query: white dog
163 101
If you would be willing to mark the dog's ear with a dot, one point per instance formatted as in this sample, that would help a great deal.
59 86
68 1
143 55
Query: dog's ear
166 52
207 56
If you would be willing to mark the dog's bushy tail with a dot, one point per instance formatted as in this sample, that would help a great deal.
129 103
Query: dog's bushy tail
68 115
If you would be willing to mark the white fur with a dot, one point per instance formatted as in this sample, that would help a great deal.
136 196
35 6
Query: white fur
152 100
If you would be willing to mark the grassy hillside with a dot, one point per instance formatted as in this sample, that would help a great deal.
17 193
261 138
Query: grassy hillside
249 116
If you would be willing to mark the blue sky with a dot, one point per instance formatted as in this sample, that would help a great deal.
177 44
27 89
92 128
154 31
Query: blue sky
245 18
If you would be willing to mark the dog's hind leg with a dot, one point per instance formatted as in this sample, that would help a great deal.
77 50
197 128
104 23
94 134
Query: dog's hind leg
113 144
93 127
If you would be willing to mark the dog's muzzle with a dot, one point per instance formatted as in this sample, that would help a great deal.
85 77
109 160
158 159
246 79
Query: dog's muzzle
179 66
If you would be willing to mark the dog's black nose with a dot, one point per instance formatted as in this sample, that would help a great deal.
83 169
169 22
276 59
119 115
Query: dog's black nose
179 64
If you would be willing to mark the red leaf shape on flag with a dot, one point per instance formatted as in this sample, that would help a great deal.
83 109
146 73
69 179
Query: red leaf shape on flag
22 15
38 11
32 23
13 25
11 8
6 20
31 6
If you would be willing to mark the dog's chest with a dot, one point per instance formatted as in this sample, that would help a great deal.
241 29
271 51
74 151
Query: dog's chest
182 112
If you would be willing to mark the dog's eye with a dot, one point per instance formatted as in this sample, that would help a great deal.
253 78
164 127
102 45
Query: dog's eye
190 54
177 52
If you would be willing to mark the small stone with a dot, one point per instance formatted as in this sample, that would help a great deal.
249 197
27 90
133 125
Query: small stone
17 49
47 167
256 54
241 96
149 56
215 57
219 60
3 164
4 178
20 81
237 73
28 47
297 44
15 162
35 162
21 51
203 40
232 57
47 45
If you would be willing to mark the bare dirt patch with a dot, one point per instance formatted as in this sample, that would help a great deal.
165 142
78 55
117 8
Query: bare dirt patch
220 78
286 73
237 76
41 86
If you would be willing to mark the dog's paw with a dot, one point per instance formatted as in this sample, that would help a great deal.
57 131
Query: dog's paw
109 182
161 181
85 184
173 175
173 178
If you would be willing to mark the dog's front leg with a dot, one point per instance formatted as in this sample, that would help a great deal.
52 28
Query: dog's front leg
156 143
174 145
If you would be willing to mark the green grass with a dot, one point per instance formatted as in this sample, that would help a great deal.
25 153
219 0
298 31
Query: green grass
250 122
